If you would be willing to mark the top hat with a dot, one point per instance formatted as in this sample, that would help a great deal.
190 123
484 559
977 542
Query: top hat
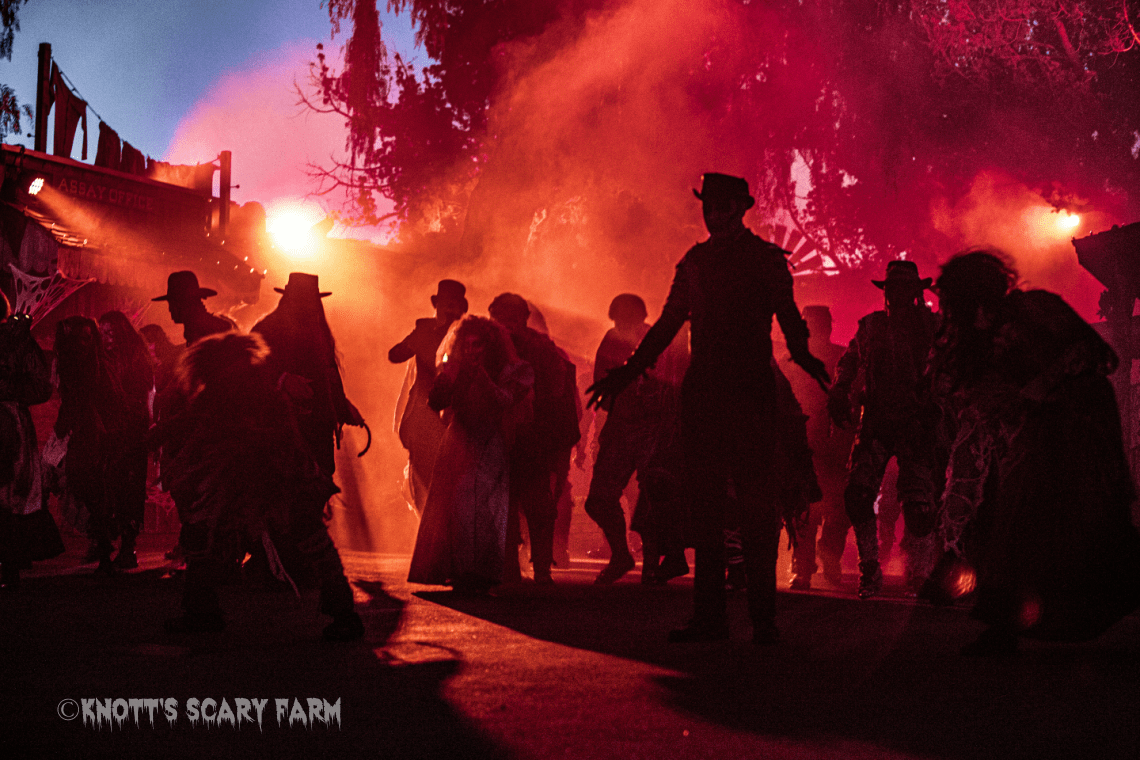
302 285
183 286
903 272
716 186
451 290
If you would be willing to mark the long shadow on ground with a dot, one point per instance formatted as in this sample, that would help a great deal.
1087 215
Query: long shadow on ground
81 637
882 672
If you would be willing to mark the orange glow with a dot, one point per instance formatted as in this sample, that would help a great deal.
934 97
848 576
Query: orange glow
289 222
963 583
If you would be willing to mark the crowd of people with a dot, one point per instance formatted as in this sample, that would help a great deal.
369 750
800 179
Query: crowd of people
1012 479
1011 475
242 427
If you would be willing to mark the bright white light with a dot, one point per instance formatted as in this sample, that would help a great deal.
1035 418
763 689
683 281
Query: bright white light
288 221
36 186
1067 221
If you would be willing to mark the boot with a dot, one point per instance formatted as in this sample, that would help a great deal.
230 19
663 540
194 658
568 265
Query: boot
621 559
870 574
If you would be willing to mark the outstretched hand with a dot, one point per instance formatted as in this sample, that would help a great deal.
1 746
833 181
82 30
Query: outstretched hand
604 391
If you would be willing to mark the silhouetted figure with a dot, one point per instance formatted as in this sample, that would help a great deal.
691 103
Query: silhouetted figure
130 366
831 449
91 418
301 345
485 393
630 435
1038 493
184 298
418 426
242 476
881 373
540 447
729 287
27 530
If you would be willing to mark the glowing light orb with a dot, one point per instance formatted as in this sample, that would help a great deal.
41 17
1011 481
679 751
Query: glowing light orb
1067 221
36 186
289 222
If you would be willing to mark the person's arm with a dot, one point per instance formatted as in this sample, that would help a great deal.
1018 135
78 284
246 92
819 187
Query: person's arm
660 335
792 324
404 350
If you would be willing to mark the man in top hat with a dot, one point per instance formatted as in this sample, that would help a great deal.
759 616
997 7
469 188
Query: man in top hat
420 428
302 346
881 374
539 447
184 297
729 288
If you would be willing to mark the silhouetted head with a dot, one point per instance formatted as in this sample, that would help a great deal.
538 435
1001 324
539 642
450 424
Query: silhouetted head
118 333
224 367
818 320
973 283
184 295
902 286
78 350
724 200
628 308
450 300
478 340
510 310
302 294
157 343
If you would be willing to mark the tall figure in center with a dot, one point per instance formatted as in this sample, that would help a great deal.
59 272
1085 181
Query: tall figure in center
728 287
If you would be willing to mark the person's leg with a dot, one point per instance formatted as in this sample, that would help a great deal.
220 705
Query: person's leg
612 471
201 611
868 462
916 494
311 538
803 556
710 622
760 525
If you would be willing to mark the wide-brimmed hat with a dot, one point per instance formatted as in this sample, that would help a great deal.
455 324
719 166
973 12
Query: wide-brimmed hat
905 272
301 285
183 286
716 186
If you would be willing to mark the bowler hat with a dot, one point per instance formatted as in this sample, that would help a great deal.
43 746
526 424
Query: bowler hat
302 285
716 186
903 272
183 286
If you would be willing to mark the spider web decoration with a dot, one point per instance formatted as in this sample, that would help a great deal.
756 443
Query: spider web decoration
805 257
37 296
